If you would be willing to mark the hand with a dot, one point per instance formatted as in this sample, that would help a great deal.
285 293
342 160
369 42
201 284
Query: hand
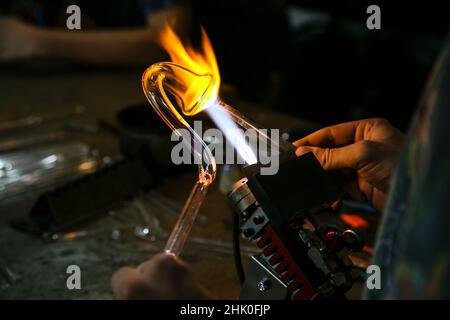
162 277
18 40
363 154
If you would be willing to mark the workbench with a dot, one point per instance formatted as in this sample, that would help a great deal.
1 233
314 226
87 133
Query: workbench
40 267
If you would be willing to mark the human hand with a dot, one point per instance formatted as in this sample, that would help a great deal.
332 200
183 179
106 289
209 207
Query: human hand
18 40
363 154
162 277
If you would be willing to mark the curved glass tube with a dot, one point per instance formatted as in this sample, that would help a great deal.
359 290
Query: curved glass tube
169 96
245 123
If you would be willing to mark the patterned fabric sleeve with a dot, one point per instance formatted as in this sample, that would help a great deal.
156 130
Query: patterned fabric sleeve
413 250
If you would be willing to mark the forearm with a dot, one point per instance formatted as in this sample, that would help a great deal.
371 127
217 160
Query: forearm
126 47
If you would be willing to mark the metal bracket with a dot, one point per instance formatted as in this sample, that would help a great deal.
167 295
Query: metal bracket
261 283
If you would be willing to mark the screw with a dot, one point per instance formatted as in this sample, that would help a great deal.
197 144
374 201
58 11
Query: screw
263 285
258 219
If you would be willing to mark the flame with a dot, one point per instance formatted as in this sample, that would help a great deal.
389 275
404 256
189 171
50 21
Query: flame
199 92
354 221
196 87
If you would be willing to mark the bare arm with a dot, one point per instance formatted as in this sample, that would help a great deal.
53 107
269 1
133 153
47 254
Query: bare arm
123 47
127 47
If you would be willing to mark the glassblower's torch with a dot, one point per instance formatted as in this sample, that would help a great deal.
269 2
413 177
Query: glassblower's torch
304 246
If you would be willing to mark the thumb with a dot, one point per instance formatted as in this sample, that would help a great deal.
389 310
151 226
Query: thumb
335 158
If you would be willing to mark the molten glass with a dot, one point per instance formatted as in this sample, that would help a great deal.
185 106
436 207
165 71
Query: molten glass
165 85
199 75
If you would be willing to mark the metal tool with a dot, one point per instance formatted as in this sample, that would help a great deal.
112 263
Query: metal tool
304 246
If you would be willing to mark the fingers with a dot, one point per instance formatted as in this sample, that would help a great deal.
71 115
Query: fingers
331 158
333 136
166 270
167 263
128 283
302 150
150 280
341 134
162 277
352 156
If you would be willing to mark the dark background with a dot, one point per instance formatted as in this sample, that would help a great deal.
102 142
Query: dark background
332 68
316 59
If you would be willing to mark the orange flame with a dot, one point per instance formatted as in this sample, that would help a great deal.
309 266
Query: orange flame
354 221
200 91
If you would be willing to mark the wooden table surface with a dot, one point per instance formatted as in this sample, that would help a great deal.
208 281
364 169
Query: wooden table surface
41 267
